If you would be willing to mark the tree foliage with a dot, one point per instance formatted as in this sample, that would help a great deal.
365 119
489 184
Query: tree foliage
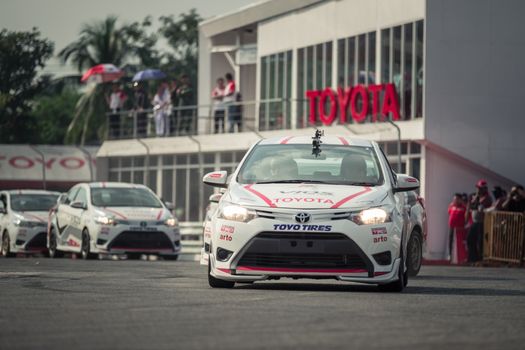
22 54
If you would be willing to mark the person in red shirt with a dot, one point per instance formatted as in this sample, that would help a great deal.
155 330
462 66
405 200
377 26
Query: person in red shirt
457 232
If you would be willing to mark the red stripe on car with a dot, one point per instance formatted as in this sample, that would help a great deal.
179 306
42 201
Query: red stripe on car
224 270
286 139
343 141
159 214
34 216
116 213
349 198
260 195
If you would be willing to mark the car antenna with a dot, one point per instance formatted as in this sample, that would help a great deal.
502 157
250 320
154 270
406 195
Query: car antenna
316 143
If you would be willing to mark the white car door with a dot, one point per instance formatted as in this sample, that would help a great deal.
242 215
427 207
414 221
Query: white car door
63 217
79 208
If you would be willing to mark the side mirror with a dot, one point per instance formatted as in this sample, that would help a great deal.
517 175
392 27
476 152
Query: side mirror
170 206
406 183
215 198
62 198
216 178
78 205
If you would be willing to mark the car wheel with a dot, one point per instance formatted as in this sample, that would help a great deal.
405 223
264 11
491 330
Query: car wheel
218 283
52 250
6 246
414 254
402 281
86 246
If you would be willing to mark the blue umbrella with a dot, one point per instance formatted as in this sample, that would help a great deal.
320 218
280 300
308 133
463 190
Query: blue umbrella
149 74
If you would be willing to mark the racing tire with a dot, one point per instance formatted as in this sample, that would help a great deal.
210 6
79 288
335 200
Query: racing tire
402 281
218 283
6 246
414 254
85 248
52 251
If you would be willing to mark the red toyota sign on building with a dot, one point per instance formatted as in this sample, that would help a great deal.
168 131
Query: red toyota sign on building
351 97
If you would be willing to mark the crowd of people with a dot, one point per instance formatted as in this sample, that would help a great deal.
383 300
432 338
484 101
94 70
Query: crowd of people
466 218
174 107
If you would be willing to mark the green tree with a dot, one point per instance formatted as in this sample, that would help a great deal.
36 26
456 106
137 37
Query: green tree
182 34
108 42
22 54
52 114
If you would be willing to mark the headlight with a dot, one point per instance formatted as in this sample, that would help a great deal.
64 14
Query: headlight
23 223
233 212
371 216
171 222
105 220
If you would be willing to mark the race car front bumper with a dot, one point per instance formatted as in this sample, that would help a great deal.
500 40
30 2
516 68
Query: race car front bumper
30 240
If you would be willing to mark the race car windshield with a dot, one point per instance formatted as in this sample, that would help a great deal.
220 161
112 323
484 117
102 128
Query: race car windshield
339 165
33 202
123 197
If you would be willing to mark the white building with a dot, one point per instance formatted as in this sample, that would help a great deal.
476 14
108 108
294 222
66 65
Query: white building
456 67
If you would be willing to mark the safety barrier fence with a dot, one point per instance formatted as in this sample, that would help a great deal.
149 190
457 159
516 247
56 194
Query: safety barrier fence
191 239
504 237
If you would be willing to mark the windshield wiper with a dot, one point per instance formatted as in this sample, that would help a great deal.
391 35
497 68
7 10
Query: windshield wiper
361 184
291 182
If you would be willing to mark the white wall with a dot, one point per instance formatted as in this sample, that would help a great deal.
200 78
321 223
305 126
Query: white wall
475 81
332 20
447 174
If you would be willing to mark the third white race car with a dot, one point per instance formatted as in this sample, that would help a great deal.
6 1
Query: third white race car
328 208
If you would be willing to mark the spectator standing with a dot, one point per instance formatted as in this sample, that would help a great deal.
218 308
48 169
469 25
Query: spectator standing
186 98
140 105
499 198
161 107
229 99
479 203
217 96
457 233
174 125
115 102
516 200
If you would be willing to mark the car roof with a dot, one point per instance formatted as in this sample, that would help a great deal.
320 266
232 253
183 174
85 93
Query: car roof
326 140
114 185
31 191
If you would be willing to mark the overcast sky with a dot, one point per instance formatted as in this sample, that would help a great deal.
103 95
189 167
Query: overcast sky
60 20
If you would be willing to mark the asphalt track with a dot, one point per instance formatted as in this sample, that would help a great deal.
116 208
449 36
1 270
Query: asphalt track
74 304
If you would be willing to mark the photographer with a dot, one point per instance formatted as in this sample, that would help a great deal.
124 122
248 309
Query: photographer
516 200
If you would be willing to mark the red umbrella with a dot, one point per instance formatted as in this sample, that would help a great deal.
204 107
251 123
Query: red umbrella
103 73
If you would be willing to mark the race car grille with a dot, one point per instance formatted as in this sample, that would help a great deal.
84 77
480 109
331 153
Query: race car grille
39 241
304 250
310 261
147 240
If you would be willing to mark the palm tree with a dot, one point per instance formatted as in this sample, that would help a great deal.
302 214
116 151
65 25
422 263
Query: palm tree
99 42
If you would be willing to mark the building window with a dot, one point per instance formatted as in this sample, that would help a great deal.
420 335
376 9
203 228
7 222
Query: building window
314 72
276 77
402 64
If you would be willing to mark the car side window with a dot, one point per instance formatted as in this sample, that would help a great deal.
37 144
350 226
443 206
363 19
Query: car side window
81 196
3 202
392 173
71 195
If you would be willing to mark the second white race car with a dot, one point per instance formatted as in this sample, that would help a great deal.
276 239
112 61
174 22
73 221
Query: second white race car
112 218
333 208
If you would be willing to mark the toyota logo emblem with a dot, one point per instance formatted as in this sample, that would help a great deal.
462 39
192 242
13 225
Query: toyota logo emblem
302 218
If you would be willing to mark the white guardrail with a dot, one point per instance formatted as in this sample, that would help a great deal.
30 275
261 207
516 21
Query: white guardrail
191 239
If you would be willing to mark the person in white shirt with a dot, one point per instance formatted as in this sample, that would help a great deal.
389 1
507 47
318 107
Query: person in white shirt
217 96
161 108
115 103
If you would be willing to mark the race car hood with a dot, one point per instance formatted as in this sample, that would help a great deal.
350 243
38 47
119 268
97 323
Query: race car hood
306 196
33 216
131 213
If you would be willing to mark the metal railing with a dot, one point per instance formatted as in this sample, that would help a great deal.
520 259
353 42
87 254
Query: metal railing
504 237
191 239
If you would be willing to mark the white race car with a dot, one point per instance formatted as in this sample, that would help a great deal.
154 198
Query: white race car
297 208
23 220
112 218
